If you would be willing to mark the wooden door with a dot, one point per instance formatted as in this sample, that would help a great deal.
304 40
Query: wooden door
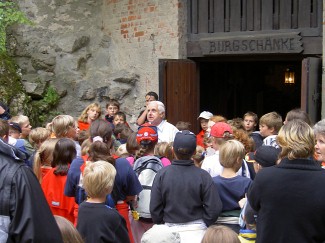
179 91
311 87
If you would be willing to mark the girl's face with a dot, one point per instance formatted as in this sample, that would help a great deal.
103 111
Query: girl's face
118 120
204 124
111 110
93 113
73 131
320 147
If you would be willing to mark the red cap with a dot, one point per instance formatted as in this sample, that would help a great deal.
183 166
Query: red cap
146 134
220 130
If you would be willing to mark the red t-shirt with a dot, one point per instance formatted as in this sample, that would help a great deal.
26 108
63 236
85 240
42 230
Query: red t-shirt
53 188
200 138
83 125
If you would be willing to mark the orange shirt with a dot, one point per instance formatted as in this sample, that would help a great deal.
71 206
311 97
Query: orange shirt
200 139
53 188
83 125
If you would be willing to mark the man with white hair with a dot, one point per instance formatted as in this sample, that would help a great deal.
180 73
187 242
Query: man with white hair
156 116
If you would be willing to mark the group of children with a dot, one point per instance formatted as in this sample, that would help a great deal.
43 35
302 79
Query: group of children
89 172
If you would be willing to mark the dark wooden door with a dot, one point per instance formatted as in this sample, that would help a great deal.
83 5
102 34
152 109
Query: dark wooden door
311 87
179 91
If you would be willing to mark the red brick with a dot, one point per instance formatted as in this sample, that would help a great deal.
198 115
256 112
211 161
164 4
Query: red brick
124 32
139 33
132 17
124 26
124 19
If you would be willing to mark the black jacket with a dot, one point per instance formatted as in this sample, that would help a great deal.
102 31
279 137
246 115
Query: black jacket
290 201
182 193
22 204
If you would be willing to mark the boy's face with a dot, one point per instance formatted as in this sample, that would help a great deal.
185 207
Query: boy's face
320 147
25 129
111 110
204 123
93 113
210 124
149 98
265 130
118 120
249 123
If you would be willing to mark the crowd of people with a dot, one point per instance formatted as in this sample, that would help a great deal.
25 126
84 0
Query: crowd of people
94 179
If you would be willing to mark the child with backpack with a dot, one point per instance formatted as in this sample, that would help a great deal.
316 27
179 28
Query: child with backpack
146 167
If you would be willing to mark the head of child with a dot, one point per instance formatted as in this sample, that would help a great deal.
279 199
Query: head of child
98 179
112 107
231 154
264 156
184 145
64 126
198 157
151 96
132 145
147 138
219 233
122 132
24 124
102 131
99 150
38 135
250 121
220 132
270 124
119 118
164 149
68 231
182 125
204 119
298 114
14 130
236 123
91 113
63 154
297 140
44 156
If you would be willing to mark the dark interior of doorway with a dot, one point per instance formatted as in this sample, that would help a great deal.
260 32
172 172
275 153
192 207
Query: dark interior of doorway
233 88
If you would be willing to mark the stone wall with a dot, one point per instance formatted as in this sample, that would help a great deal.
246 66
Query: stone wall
93 51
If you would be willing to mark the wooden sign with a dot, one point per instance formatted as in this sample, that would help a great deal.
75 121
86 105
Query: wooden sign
253 44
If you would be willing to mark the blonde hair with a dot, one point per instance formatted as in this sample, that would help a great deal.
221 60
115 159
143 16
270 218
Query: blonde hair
220 234
164 149
230 151
44 156
99 178
297 140
272 120
85 146
38 135
84 116
20 119
61 125
68 231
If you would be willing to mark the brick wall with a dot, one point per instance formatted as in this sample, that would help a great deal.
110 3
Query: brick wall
142 32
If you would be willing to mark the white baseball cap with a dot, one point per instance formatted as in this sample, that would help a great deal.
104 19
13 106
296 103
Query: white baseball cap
206 115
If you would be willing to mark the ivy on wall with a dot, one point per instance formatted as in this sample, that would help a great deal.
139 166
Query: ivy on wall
9 15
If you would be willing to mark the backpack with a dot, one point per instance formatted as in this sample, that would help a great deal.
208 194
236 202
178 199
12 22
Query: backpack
146 169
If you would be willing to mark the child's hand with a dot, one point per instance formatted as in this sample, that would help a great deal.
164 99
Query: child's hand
242 202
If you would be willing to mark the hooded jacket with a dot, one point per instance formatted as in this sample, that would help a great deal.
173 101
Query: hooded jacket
24 213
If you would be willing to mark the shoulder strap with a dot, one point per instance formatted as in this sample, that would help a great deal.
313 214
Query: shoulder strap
151 162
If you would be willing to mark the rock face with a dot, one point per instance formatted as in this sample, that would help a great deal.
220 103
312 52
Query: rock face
79 48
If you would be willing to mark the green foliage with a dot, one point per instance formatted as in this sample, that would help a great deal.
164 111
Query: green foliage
44 110
9 15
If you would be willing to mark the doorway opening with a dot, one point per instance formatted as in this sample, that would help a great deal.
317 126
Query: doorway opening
233 88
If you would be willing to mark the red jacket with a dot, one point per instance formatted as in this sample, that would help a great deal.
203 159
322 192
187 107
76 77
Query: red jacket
83 125
53 188
200 138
